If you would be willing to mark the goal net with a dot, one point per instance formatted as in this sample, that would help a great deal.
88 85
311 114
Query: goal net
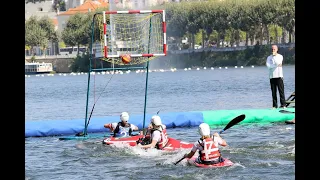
138 33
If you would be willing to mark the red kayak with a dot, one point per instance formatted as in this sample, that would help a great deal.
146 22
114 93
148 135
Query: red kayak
172 144
131 140
226 162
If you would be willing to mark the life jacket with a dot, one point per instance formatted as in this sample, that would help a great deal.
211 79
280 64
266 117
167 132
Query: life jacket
122 131
148 140
163 140
210 152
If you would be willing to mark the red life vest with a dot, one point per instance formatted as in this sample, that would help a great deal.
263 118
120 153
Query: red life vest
210 152
164 139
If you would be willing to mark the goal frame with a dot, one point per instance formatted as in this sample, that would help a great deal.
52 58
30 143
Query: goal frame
164 30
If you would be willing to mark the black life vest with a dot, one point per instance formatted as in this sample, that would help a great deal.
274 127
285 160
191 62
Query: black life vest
116 130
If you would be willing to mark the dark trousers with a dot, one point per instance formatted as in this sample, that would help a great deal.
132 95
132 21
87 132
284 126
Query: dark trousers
277 83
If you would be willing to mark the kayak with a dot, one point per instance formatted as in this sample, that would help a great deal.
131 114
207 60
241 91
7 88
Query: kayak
226 162
172 144
130 140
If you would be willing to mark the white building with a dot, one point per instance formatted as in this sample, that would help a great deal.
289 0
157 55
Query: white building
73 3
43 8
88 5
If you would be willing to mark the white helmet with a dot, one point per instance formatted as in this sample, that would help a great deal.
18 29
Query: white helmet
156 120
124 117
204 129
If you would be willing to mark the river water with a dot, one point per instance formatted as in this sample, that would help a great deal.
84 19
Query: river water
259 151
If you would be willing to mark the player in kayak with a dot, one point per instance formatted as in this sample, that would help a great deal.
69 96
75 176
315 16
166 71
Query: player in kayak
156 136
207 147
122 128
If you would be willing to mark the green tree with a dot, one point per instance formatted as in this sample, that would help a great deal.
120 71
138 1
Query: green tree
75 32
176 20
62 44
240 22
222 22
80 63
193 21
35 35
38 32
206 15
232 19
79 31
46 24
286 17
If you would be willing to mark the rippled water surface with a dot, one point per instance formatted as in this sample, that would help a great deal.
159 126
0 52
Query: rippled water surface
259 151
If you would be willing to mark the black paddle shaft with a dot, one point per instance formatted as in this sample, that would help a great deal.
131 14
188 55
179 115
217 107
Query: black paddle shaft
179 161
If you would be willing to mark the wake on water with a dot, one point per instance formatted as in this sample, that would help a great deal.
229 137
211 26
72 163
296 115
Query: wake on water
161 157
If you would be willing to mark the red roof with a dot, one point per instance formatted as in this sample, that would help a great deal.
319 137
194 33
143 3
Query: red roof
84 8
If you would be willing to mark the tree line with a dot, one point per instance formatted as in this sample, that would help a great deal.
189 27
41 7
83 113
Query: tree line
214 20
232 20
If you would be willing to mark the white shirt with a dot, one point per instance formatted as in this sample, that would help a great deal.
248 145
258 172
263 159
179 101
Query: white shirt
272 63
156 135
216 141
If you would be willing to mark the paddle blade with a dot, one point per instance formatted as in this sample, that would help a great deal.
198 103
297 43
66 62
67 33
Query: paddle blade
285 111
179 161
234 122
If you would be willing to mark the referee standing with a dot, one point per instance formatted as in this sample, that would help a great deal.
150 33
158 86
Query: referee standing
274 64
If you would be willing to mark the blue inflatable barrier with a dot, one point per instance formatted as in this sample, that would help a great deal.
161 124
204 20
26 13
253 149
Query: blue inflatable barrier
171 120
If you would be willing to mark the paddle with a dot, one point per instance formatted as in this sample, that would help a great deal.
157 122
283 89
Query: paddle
233 122
179 160
286 112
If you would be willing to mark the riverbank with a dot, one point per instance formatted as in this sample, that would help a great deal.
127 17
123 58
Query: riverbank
188 58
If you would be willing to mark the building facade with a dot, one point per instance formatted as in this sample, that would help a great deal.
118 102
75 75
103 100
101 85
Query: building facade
41 9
